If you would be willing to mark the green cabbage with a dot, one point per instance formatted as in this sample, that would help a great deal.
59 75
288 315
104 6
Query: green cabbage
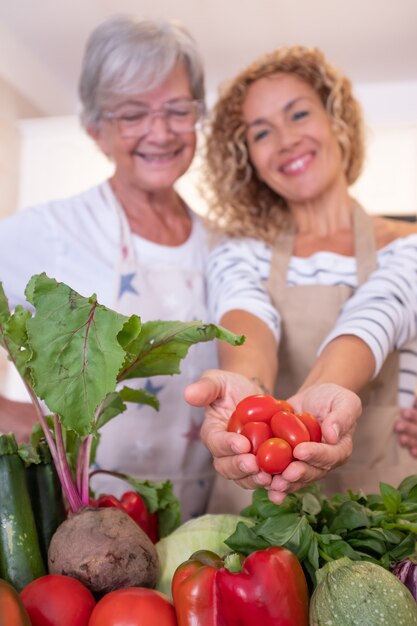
207 532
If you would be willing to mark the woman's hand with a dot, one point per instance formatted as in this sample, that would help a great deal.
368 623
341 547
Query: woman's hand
336 408
406 429
219 391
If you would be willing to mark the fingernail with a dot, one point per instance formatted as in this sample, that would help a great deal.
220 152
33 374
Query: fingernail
243 467
336 430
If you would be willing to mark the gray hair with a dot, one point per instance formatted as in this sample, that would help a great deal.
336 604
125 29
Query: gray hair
124 56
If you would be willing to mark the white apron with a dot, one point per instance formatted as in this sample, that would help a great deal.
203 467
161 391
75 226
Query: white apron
164 444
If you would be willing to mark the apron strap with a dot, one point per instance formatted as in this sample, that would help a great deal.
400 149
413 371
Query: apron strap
364 243
281 254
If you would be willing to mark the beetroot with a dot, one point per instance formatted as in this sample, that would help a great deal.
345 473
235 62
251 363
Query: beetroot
104 549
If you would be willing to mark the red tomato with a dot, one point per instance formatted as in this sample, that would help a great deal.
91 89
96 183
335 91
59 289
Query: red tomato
312 425
256 432
56 600
134 606
274 455
257 408
288 427
283 405
12 611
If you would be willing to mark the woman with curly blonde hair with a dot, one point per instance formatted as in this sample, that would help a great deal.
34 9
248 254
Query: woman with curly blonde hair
324 292
243 203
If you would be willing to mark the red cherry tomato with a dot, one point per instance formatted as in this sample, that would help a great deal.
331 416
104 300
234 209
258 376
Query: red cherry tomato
256 432
134 606
288 427
56 600
257 408
312 425
274 455
283 405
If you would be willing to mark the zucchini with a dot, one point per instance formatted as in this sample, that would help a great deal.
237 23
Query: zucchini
20 556
46 496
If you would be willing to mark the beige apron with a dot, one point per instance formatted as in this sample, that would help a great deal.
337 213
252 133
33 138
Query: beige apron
308 314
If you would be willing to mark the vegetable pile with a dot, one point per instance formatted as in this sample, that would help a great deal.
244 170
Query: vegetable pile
104 559
76 355
273 429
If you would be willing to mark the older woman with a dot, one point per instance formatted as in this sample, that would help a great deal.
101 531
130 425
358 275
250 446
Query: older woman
132 239
305 273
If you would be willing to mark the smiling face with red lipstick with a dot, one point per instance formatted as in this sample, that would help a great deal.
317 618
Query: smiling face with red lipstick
284 143
290 139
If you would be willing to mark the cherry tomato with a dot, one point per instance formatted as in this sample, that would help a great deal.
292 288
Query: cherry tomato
283 405
134 606
288 427
257 408
274 455
56 600
256 432
312 425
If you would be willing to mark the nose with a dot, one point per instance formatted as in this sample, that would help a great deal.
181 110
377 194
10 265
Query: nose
287 137
158 126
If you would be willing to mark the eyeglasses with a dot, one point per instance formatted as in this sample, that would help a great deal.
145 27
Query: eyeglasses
135 120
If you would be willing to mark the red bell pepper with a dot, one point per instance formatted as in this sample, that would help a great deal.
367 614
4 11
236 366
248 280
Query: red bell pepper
270 590
132 503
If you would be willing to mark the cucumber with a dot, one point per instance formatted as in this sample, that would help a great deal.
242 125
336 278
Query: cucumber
360 593
46 496
20 556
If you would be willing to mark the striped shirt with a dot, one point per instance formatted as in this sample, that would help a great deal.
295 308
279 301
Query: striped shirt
382 312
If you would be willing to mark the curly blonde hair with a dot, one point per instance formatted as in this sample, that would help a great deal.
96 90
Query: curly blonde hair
239 203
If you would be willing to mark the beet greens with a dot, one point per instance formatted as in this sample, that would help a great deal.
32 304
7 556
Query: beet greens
73 353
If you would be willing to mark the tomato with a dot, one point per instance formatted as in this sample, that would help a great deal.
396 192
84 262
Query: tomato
134 606
56 600
283 405
312 425
256 432
274 455
133 504
257 408
12 611
287 426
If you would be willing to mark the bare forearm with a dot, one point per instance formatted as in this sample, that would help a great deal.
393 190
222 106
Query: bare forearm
257 357
17 418
346 361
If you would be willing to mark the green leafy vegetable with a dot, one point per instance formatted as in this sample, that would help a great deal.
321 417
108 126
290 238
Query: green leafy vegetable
379 528
73 353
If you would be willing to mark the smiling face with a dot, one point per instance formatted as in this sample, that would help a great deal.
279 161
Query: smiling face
291 143
155 160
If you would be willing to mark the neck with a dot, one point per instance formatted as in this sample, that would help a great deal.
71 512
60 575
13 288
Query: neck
325 215
159 216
